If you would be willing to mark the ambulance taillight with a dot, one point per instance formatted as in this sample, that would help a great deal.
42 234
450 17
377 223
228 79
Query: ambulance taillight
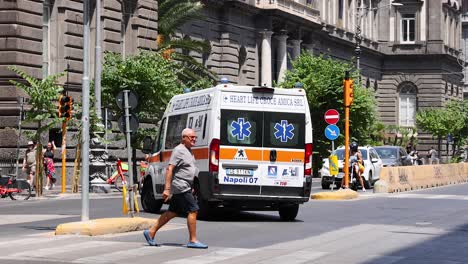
308 160
214 155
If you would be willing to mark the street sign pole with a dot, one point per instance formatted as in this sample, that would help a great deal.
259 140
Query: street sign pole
85 117
105 136
64 155
346 161
129 151
329 164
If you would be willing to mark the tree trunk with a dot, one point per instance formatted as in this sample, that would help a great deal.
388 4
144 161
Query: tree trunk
39 169
76 169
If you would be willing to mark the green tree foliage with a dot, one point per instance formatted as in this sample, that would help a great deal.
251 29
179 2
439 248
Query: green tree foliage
172 15
451 119
322 78
43 95
148 74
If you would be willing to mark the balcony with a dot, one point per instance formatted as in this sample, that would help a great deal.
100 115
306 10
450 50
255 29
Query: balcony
307 9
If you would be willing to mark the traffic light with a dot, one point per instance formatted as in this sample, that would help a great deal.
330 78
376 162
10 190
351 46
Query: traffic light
348 85
65 106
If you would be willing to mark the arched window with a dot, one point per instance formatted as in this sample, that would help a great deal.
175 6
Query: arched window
242 57
407 104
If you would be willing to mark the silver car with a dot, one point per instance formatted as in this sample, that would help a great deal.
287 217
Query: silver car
393 156
372 165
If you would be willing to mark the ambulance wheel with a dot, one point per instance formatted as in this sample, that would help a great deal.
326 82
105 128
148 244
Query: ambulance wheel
205 209
289 212
325 186
148 202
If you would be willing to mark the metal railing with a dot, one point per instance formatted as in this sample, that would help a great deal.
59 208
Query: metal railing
7 165
301 7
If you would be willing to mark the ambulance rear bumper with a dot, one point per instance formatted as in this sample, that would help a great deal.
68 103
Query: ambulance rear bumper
227 196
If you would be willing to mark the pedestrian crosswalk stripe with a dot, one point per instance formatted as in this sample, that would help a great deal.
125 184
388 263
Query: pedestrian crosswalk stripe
302 256
26 241
116 256
441 197
429 196
44 252
322 248
214 257
27 218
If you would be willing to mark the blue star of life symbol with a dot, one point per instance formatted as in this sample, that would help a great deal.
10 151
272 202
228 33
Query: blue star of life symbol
284 131
241 128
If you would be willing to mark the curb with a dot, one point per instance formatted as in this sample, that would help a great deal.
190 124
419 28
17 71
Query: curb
342 194
104 226
69 195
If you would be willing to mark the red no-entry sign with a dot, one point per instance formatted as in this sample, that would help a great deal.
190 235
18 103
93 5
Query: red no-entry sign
332 116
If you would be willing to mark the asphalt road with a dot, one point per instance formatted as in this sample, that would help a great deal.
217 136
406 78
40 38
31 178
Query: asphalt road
428 226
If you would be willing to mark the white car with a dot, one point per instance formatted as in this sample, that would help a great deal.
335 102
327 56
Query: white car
372 166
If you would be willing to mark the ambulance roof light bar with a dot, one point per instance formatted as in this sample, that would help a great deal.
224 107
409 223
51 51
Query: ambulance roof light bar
224 80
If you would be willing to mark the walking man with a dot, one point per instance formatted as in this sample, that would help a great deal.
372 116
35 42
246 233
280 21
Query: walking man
29 162
180 174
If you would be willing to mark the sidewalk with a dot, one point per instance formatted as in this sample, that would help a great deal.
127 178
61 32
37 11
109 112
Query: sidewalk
56 193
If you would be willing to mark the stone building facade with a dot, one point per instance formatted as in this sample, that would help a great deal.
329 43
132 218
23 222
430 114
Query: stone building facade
464 44
410 51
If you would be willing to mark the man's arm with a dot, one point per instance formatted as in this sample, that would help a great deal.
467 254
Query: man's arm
168 183
24 162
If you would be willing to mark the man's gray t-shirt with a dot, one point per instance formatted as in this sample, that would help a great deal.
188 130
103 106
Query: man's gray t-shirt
184 171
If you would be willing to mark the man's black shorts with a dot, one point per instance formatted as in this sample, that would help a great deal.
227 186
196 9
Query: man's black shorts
183 203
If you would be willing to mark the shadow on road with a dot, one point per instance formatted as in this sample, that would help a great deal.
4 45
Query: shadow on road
230 215
447 248
39 228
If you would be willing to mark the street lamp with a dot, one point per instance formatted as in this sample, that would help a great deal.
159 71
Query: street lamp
360 12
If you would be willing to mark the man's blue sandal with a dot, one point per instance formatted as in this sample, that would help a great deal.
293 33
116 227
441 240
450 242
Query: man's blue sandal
196 245
150 240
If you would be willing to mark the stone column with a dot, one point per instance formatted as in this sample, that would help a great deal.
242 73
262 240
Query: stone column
309 47
296 43
282 56
265 78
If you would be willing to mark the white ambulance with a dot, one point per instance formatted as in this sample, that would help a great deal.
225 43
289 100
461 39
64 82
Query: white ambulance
254 149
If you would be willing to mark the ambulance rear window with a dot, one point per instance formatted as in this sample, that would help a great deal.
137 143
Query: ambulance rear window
175 125
241 128
284 130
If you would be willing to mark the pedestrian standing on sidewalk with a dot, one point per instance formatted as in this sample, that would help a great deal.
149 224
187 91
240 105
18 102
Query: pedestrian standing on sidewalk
432 155
29 162
180 174
49 167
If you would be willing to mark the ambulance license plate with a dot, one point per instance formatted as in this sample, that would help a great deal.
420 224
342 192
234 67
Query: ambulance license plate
239 172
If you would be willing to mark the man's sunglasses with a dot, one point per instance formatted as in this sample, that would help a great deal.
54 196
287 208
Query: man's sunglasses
191 137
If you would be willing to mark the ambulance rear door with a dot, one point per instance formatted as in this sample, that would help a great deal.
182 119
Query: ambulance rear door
262 144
